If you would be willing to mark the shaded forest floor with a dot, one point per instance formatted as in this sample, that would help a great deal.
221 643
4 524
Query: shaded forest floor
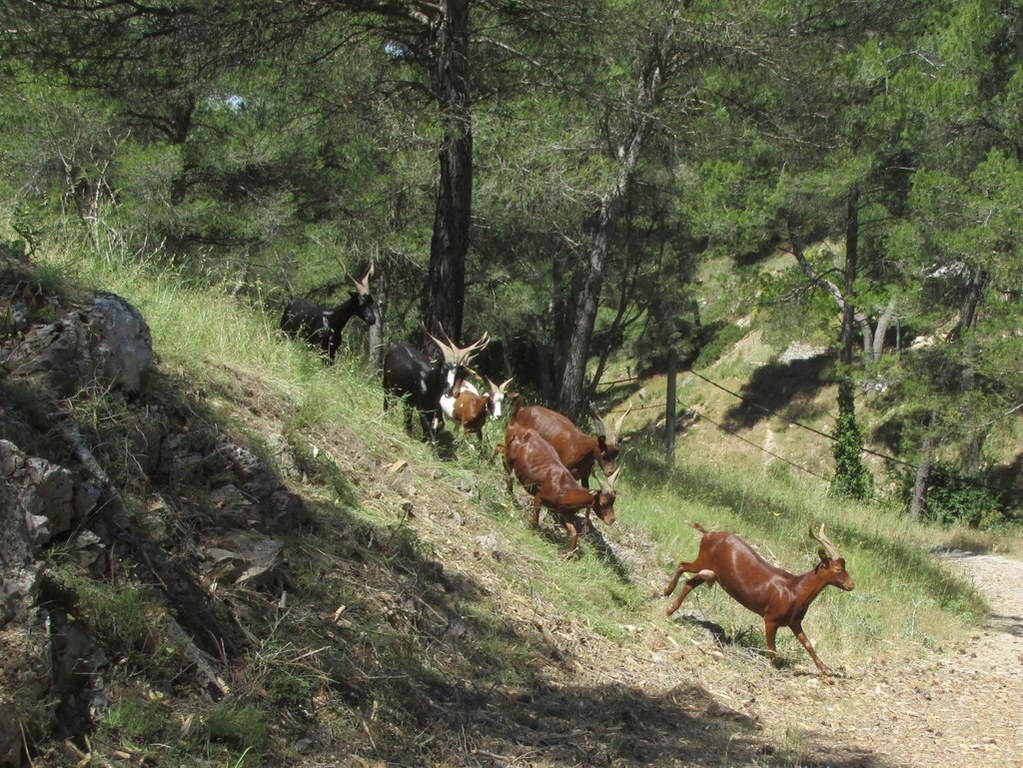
661 700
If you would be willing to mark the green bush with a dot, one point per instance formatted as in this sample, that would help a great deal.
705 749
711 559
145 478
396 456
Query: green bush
953 498
716 342
852 479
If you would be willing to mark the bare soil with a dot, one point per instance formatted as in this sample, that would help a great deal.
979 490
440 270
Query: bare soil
668 701
958 706
954 706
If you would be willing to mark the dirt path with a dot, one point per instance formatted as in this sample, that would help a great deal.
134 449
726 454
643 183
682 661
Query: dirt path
676 699
962 707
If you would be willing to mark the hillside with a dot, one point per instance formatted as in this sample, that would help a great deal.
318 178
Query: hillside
277 575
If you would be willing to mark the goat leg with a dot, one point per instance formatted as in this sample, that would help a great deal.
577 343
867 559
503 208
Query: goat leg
770 631
682 568
692 584
797 630
573 535
534 521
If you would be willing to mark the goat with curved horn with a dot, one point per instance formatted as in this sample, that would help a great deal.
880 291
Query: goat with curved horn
408 372
535 463
577 450
322 326
471 409
780 597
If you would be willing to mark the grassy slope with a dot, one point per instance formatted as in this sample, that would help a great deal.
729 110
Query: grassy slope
423 572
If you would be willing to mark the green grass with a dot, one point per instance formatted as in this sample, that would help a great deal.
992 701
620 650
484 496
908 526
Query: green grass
214 340
249 376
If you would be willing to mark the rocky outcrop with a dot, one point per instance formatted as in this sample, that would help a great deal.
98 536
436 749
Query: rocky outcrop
105 345
137 509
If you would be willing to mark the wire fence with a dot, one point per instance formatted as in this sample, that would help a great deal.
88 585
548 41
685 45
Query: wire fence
661 404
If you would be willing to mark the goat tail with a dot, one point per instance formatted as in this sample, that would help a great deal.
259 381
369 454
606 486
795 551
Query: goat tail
699 527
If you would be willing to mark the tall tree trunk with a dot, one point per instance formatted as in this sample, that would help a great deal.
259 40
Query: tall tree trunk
852 246
570 390
445 287
971 450
923 474
851 476
841 294
671 405
882 330
177 130
975 289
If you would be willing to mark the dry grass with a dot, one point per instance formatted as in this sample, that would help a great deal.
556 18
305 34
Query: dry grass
426 625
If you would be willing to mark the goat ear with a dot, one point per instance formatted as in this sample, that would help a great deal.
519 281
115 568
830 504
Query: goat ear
823 555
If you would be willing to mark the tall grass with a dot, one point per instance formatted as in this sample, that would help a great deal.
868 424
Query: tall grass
902 595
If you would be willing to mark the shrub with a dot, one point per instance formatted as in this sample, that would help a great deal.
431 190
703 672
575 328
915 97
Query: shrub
715 342
953 498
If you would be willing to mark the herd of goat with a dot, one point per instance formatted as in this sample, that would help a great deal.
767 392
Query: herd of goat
553 460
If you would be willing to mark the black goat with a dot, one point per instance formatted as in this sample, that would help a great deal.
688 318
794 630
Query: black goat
322 326
409 372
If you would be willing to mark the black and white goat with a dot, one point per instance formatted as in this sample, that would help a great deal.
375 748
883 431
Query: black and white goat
409 373
322 326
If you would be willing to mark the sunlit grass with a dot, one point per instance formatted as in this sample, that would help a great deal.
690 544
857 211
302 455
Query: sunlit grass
221 344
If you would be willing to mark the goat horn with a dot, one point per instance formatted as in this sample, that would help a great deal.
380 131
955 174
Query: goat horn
445 350
362 286
598 421
612 437
821 538
494 387
618 426
608 484
465 354
455 355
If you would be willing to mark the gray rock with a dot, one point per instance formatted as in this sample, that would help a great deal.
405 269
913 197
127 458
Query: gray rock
107 345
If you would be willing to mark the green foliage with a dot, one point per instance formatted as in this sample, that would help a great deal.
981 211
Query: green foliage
320 154
717 341
136 718
852 479
241 726
117 614
953 498
730 204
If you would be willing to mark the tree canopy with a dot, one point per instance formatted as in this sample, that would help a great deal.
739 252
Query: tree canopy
555 173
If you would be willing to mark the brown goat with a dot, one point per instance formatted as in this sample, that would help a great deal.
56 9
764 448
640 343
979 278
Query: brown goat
471 409
780 597
577 450
536 464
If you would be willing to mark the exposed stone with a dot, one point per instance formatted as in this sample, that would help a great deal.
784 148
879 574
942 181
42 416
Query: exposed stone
48 499
246 558
797 350
106 345
284 456
122 346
